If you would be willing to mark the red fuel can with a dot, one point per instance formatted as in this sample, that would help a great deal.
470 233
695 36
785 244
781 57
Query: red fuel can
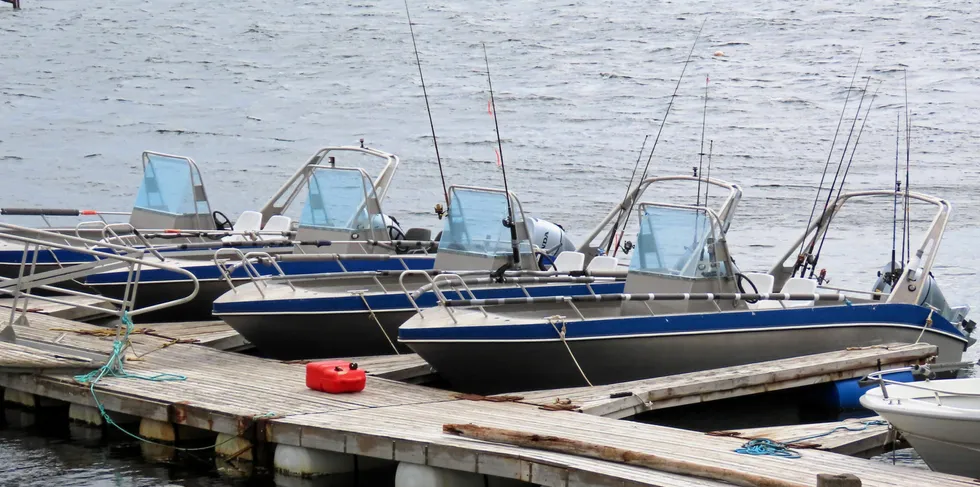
335 376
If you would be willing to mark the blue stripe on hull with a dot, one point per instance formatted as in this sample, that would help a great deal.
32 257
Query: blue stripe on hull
898 314
399 301
67 256
207 270
64 256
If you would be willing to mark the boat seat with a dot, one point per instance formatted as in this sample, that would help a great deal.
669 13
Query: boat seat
569 261
763 282
602 263
277 223
420 234
794 285
248 221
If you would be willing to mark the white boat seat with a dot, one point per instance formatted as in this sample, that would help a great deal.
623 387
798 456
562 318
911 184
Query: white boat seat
793 285
763 284
569 261
277 223
602 263
798 285
248 221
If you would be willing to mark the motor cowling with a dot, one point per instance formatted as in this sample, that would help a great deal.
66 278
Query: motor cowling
550 239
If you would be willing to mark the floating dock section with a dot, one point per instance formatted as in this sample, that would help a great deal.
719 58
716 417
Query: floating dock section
627 399
265 405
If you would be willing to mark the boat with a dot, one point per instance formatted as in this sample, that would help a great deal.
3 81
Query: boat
171 196
686 307
341 214
939 418
358 313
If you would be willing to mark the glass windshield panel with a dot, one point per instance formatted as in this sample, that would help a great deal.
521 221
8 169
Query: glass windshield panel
674 241
168 186
336 201
475 223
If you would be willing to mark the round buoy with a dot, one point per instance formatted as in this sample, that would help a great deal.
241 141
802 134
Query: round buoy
307 462
413 475
86 415
233 456
719 54
162 434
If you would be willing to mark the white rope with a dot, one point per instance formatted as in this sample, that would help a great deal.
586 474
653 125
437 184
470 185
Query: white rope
561 334
376 320
928 324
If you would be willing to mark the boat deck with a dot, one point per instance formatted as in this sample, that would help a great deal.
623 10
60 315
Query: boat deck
631 398
267 401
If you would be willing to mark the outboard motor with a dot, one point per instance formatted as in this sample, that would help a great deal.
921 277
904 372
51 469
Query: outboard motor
932 297
550 240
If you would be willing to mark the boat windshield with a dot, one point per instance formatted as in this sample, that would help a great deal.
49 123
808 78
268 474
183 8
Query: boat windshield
169 186
675 242
475 223
339 199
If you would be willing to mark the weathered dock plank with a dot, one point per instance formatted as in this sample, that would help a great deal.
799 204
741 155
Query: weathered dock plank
65 311
414 432
20 359
848 437
215 334
630 398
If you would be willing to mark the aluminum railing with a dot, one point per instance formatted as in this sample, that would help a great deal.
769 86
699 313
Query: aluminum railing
114 257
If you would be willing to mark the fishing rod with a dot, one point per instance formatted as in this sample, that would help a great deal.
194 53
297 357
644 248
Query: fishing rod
646 168
425 95
707 185
806 258
906 221
830 155
503 168
704 119
615 241
840 189
898 185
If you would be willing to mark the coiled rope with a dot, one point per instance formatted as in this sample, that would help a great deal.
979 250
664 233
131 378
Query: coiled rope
765 446
114 368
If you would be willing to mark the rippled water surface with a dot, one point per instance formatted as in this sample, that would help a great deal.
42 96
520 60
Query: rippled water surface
251 89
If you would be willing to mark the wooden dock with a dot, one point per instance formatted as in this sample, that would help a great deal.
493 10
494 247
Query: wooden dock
66 311
215 334
848 437
267 402
631 398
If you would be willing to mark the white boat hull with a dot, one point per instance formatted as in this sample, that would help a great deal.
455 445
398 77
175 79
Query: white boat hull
944 432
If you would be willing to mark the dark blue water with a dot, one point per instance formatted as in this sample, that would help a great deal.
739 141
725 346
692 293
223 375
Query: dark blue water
251 89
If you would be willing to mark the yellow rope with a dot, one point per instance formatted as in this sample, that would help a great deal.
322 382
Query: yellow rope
561 334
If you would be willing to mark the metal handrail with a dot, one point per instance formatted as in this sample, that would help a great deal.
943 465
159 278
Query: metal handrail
22 285
924 370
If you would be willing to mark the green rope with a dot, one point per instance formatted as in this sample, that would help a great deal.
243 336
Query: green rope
114 368
765 446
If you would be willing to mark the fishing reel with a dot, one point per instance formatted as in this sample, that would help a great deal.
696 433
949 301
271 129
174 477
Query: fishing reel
626 247
822 277
440 211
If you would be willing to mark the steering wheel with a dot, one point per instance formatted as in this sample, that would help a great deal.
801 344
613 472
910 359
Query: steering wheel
395 233
739 277
221 221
